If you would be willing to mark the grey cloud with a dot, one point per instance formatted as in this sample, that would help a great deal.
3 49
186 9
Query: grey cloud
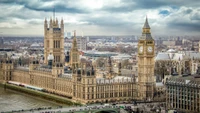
131 5
39 6
186 20
182 27
37 10
58 8
107 21
188 11
195 16
35 22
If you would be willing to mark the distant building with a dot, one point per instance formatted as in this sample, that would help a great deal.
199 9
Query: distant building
1 41
82 43
169 43
180 60
88 39
69 35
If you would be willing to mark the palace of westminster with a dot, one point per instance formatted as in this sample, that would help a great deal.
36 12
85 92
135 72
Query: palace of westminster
80 80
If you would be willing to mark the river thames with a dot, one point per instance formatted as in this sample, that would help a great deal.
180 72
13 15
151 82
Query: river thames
13 100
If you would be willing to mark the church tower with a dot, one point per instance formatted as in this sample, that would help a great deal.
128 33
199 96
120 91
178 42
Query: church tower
74 53
146 64
54 40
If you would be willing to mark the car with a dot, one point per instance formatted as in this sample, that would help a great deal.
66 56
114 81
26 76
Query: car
113 104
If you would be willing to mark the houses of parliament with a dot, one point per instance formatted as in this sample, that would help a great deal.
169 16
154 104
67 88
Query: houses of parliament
79 80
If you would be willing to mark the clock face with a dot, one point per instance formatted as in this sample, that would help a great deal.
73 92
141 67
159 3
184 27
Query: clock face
141 49
150 49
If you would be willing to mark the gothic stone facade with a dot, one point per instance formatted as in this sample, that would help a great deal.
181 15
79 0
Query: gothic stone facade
82 86
80 82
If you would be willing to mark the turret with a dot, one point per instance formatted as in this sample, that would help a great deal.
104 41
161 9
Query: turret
62 26
74 54
110 71
56 22
51 23
7 70
119 68
33 64
45 25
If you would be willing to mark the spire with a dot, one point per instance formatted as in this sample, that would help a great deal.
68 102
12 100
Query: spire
56 21
146 33
74 45
74 33
62 21
45 20
53 13
146 24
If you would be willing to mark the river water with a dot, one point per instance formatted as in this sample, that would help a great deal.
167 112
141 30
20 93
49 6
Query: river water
13 100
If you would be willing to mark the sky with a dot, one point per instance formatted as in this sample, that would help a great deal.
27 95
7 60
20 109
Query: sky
101 17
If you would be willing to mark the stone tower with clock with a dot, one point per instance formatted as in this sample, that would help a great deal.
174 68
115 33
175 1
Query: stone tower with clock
146 81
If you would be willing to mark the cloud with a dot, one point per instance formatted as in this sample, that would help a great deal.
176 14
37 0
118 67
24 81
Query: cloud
103 16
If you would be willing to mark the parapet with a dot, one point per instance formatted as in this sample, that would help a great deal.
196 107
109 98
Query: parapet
117 79
22 68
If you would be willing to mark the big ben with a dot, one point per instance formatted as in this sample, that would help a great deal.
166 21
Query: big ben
146 64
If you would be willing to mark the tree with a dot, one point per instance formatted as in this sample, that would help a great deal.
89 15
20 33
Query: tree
100 62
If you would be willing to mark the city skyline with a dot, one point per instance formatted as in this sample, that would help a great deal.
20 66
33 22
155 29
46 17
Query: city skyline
101 17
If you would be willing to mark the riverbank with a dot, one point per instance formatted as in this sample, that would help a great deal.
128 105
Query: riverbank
40 94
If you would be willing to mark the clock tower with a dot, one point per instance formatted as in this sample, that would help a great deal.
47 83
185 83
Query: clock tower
146 81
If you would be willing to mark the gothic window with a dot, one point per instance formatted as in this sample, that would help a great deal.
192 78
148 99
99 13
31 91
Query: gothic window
92 96
54 44
92 89
88 96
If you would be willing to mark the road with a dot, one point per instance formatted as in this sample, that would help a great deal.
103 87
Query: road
92 108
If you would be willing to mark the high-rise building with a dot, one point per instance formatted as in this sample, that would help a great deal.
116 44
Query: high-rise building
146 62
54 40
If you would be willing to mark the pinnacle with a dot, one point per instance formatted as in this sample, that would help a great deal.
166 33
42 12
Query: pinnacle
146 24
